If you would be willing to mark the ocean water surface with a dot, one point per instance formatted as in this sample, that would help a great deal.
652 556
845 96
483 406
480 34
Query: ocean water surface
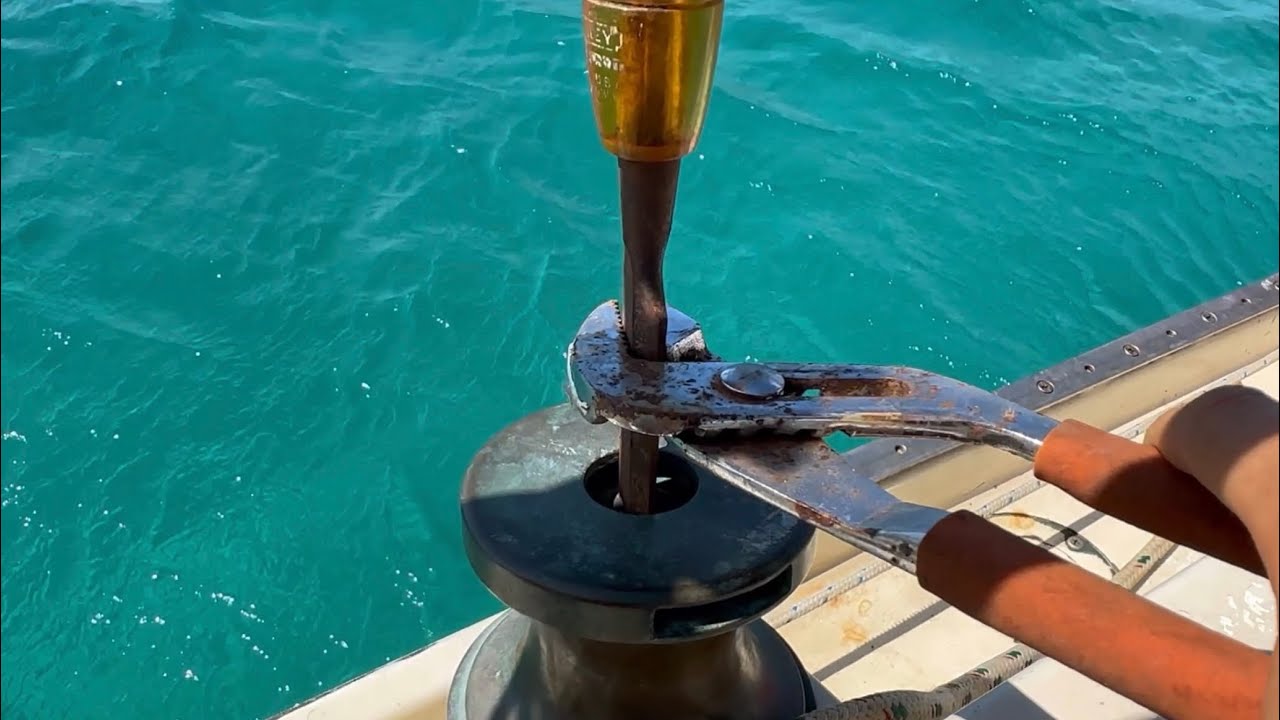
273 271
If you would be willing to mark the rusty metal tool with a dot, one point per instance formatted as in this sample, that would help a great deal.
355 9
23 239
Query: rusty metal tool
650 65
759 427
648 200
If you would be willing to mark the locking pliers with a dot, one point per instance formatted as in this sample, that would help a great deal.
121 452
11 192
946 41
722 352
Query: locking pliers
760 427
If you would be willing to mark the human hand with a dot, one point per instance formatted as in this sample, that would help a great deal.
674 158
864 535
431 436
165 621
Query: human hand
1228 439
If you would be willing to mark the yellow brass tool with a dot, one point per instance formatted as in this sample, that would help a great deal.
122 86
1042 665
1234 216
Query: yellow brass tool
650 64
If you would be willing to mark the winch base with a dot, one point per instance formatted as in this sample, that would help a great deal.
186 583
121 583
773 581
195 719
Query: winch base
520 669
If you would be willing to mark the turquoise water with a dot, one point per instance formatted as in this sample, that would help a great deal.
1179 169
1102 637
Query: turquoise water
273 271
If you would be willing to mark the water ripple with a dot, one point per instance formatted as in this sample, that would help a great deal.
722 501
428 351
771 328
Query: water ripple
273 273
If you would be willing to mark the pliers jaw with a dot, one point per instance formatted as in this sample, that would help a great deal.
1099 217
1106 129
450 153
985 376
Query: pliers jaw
597 358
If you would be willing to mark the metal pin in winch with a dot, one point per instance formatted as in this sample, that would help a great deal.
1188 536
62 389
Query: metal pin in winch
649 64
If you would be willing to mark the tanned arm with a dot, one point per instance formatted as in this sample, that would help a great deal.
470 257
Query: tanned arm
1229 440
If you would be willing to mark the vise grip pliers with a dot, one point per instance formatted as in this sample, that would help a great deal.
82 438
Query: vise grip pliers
760 427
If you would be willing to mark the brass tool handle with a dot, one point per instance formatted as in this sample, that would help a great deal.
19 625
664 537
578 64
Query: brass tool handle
1171 665
650 65
1135 483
